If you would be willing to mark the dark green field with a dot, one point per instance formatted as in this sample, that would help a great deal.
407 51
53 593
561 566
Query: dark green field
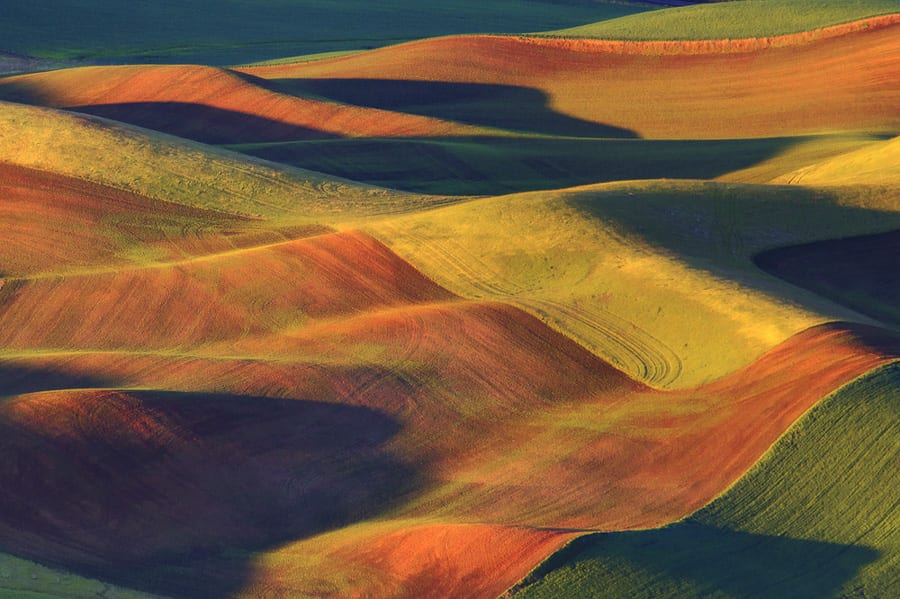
223 32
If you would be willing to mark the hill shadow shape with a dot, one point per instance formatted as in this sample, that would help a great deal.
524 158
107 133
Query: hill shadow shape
493 165
488 105
858 272
173 492
199 122
710 561
17 379
705 228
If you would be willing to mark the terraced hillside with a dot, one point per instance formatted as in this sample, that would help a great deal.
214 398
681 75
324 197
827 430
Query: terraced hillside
456 317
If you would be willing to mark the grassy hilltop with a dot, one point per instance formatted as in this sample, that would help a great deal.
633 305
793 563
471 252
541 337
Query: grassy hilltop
734 20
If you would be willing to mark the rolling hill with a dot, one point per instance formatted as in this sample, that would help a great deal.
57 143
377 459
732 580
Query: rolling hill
813 518
452 115
650 275
874 164
800 88
337 320
210 105
178 171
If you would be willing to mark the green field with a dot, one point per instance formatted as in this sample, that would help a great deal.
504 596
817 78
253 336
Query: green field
22 579
240 31
817 517
734 20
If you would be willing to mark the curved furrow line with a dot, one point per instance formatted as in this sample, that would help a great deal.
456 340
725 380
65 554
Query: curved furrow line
452 257
624 344
627 346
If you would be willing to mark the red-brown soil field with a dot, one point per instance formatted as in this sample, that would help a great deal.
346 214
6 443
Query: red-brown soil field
211 105
804 87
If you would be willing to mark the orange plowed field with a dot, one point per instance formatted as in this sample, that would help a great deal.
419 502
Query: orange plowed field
844 82
57 224
208 298
211 105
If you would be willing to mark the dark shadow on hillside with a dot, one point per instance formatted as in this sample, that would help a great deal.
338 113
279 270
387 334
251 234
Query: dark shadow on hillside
17 379
173 492
859 272
490 105
496 165
206 124
720 227
695 560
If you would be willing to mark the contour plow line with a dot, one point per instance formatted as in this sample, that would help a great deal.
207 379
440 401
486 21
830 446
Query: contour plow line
626 345
623 343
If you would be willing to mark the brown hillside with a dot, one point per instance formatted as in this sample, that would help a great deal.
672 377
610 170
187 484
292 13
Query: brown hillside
210 105
204 299
728 90
53 223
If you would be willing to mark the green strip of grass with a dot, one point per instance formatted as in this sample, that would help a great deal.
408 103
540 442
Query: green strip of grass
733 20
302 58
22 579
817 517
